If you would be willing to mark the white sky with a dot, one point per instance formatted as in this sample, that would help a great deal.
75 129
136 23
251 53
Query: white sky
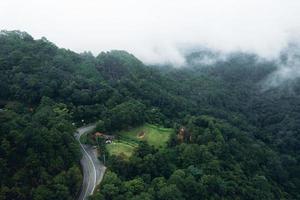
153 30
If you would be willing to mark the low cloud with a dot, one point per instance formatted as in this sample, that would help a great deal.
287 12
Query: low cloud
157 31
288 67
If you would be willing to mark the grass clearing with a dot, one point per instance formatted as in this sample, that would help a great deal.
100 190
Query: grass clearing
120 148
154 135
128 139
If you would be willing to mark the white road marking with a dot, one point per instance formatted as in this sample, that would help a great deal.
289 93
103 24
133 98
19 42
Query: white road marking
90 159
93 168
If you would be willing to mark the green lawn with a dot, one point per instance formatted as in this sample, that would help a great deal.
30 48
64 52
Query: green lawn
128 140
154 135
119 148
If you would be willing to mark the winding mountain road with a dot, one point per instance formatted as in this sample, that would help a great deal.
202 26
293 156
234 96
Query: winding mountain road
93 169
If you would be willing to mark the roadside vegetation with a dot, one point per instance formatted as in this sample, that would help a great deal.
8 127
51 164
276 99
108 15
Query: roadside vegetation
86 138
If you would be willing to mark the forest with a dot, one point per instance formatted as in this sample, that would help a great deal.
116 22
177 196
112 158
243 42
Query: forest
241 137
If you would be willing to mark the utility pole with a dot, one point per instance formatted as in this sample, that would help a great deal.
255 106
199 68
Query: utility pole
97 139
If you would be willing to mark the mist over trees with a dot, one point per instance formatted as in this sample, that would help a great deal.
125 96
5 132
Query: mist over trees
242 140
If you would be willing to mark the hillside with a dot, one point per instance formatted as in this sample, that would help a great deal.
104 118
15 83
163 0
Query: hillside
241 136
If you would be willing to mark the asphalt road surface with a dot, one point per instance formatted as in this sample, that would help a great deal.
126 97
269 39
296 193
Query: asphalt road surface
93 169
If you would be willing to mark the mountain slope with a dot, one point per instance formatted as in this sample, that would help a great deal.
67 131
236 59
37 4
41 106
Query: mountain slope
243 139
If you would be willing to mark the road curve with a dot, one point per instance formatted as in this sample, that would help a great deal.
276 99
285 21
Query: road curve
93 169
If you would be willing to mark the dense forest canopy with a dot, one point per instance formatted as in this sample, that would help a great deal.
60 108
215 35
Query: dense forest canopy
241 136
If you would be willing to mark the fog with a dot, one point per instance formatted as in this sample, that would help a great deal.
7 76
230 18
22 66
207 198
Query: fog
288 67
158 31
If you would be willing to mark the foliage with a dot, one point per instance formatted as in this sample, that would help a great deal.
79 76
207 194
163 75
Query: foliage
38 153
241 138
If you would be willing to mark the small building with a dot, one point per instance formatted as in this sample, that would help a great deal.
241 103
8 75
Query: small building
108 138
98 134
